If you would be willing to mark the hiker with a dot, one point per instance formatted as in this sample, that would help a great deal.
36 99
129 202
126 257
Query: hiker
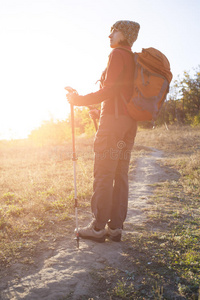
114 139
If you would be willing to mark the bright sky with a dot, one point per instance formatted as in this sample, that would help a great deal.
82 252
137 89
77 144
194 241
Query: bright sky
48 44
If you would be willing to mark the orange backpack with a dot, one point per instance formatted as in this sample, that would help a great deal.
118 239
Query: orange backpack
151 84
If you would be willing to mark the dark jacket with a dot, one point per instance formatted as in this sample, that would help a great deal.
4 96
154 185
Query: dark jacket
118 79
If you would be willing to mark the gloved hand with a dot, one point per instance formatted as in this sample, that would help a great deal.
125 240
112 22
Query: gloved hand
74 99
72 96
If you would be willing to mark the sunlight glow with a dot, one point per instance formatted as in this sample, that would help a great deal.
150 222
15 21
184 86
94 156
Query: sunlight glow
47 45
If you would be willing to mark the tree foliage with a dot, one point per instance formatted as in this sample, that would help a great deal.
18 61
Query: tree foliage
183 105
57 132
51 132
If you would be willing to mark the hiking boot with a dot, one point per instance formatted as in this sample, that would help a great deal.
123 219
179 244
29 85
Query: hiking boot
114 234
90 233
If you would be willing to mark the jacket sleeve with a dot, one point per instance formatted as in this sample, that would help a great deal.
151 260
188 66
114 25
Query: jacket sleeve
114 72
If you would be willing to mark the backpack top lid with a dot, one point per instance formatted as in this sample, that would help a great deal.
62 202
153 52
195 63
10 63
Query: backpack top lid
156 61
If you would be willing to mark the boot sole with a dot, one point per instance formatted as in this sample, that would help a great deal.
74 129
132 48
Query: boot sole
92 238
116 238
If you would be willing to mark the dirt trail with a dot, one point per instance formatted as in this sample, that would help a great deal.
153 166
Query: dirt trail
67 273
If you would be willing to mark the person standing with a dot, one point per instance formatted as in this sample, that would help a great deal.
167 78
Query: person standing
115 136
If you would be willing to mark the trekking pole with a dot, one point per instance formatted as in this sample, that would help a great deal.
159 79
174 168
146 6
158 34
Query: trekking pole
74 159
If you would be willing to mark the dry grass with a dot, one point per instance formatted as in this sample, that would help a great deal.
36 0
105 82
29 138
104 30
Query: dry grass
176 140
36 209
36 193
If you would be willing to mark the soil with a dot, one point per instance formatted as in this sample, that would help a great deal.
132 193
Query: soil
72 273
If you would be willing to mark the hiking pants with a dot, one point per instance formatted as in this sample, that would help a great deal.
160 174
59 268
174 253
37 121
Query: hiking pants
112 146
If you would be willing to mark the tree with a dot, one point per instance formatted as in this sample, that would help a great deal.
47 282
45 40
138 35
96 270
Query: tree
190 90
51 132
183 104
